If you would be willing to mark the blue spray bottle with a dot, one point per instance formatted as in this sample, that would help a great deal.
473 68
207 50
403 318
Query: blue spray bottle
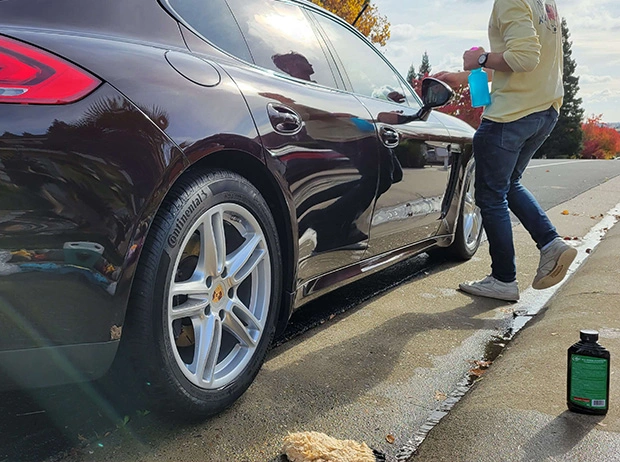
479 88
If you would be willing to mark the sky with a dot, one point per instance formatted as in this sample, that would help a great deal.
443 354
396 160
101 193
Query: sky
445 28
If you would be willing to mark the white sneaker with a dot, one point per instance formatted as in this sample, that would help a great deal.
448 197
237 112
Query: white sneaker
554 263
492 288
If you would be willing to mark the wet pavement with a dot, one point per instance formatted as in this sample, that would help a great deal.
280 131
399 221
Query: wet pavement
51 424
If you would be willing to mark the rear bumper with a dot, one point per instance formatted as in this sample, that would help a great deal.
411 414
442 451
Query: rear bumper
49 366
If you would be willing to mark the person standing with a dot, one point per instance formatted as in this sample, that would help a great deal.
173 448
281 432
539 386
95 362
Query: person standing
525 64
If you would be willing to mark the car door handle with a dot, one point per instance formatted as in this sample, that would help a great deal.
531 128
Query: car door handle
283 119
389 136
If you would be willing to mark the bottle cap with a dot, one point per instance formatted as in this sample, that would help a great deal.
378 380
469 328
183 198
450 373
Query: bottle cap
588 335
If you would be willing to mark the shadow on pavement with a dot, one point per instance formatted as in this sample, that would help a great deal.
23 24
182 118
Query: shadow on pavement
559 436
53 423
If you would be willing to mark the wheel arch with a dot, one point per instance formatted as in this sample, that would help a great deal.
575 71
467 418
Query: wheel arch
257 173
451 217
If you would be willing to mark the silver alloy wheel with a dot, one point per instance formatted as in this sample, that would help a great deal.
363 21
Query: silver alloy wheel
221 302
472 219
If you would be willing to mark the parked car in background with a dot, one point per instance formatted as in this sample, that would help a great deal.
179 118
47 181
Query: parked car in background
177 177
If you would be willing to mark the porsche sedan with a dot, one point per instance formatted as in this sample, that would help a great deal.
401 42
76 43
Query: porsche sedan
178 176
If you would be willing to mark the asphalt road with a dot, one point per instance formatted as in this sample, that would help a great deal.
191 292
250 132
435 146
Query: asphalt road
555 181
73 421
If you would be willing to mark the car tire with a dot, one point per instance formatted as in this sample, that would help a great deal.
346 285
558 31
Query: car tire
469 228
206 295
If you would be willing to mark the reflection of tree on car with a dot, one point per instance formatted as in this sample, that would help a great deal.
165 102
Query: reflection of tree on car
412 153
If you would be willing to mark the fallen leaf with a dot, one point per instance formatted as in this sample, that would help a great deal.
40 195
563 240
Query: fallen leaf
390 439
440 396
483 364
554 333
477 372
588 250
565 212
547 171
602 424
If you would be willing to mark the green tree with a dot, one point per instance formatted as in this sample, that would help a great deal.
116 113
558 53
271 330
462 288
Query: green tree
425 67
566 140
411 75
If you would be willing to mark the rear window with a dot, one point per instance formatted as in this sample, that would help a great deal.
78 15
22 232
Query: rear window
214 21
281 38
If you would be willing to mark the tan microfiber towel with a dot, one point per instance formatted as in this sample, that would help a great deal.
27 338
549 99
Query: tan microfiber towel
318 447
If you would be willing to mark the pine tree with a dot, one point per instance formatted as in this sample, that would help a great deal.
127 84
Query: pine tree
411 75
425 67
566 140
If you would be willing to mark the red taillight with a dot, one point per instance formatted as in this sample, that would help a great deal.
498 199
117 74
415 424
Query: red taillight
32 76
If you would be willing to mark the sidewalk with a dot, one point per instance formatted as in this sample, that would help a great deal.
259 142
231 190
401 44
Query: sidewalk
518 412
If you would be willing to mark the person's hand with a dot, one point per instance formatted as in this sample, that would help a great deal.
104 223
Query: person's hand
396 96
453 79
283 99
470 58
391 118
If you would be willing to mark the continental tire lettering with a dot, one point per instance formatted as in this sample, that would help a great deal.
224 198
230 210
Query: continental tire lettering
173 238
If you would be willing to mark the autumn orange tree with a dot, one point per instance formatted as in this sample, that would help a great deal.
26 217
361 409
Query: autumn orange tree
370 23
599 140
460 107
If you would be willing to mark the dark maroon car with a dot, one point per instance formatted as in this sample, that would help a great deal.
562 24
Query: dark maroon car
177 177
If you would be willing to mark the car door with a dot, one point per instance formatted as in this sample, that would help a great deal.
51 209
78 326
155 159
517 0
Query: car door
319 140
408 210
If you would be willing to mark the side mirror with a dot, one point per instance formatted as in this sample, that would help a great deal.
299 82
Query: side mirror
435 93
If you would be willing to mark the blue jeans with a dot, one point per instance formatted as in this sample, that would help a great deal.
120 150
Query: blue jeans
502 152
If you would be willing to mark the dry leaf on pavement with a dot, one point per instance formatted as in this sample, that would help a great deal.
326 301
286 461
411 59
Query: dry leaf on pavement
390 439
483 364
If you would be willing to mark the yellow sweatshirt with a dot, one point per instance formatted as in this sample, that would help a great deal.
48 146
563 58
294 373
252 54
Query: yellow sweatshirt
529 34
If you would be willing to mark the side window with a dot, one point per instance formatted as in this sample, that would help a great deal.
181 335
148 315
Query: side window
281 38
364 67
214 21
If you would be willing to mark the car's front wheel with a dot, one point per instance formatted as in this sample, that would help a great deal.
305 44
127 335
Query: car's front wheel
205 298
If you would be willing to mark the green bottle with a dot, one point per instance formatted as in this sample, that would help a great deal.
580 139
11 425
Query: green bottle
587 383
